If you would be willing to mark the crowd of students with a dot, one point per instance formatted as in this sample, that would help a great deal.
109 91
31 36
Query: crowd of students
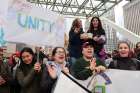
30 72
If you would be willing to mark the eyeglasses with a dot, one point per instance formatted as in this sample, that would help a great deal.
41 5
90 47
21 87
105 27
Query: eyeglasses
60 52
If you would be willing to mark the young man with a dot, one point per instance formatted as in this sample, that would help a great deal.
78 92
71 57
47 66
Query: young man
85 66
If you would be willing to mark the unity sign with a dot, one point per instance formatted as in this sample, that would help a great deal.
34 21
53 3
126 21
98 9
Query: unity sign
30 24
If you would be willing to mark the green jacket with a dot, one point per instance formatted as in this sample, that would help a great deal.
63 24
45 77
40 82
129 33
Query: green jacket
28 79
80 70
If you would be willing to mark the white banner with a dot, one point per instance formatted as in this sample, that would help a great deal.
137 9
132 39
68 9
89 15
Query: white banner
66 85
3 13
3 7
122 81
34 25
112 81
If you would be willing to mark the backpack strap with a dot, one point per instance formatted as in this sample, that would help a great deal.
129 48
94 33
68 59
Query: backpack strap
136 62
115 63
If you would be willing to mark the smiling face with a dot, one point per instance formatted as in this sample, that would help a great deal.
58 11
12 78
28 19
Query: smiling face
59 55
88 51
124 50
27 57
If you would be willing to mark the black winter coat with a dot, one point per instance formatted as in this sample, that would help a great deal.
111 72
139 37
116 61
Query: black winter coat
47 83
125 64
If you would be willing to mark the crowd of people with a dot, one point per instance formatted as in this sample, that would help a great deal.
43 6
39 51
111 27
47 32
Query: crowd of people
27 71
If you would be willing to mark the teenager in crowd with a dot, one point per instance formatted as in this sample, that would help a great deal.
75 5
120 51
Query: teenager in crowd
29 72
75 40
87 65
53 69
124 59
137 51
5 75
98 36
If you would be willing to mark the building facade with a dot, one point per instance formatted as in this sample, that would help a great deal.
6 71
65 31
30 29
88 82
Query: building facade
111 34
131 17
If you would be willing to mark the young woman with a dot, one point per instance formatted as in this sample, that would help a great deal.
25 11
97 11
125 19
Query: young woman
124 60
99 36
75 41
29 72
137 51
59 58
53 69
14 62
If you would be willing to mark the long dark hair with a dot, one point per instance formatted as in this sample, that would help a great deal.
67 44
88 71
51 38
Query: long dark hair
91 28
30 51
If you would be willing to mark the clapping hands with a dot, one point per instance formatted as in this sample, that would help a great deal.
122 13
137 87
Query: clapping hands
95 68
93 64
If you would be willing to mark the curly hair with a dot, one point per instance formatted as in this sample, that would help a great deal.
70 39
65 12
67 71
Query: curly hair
75 24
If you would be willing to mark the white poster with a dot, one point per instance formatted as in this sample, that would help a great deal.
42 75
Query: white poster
112 81
3 13
3 7
34 25
118 81
66 85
